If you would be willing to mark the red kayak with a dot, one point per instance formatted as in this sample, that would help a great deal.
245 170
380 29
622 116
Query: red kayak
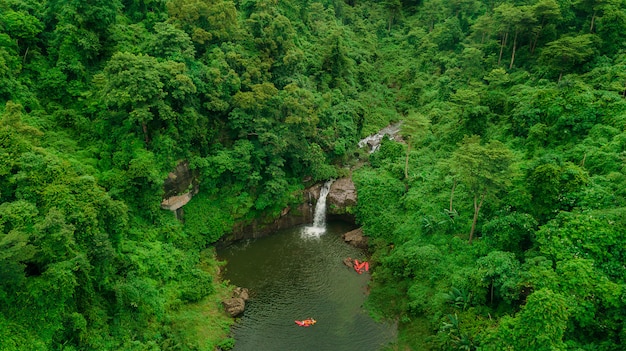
306 323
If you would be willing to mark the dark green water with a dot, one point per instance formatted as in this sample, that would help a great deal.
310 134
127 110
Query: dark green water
292 276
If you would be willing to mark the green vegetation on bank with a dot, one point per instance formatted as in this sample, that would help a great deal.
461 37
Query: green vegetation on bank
497 225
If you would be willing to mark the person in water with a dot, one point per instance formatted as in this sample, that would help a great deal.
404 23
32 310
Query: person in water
306 322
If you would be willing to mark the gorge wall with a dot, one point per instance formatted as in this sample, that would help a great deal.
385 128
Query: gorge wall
182 184
340 203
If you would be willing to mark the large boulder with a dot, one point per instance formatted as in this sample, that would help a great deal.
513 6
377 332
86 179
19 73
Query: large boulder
173 203
356 238
341 200
236 304
241 293
342 194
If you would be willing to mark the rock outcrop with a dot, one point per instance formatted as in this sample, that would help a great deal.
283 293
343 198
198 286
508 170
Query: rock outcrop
180 186
356 238
236 304
342 195
341 199
175 202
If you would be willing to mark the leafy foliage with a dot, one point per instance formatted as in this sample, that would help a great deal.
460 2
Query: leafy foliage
513 119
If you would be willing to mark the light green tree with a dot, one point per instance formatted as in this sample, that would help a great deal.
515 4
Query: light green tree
565 53
596 8
484 169
415 126
546 11
206 21
540 325
517 19
142 89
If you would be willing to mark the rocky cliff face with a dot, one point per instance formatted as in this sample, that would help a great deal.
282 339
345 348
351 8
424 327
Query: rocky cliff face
180 186
340 203
260 227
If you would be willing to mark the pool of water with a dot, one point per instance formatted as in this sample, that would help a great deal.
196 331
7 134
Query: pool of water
292 275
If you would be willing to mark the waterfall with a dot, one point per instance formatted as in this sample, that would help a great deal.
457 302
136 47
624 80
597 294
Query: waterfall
319 216
374 140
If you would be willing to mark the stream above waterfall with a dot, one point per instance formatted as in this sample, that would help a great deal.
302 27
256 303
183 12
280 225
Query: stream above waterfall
293 276
374 140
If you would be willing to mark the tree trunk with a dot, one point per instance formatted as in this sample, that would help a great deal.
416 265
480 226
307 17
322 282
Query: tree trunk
502 44
533 46
593 19
582 163
452 195
406 161
144 127
514 47
477 206
25 53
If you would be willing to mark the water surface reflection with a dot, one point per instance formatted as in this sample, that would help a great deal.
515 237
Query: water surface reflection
292 276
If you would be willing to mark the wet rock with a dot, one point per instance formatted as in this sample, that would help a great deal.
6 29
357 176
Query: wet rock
241 293
235 305
373 141
342 193
356 238
262 226
339 206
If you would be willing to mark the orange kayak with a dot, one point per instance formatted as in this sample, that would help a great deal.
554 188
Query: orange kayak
306 323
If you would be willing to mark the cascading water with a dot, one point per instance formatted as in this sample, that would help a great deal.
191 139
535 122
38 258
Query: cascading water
299 273
319 216
374 140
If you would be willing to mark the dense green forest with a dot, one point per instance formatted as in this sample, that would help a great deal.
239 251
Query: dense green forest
498 224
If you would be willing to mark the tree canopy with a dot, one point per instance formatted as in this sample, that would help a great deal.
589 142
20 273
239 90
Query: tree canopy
512 115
